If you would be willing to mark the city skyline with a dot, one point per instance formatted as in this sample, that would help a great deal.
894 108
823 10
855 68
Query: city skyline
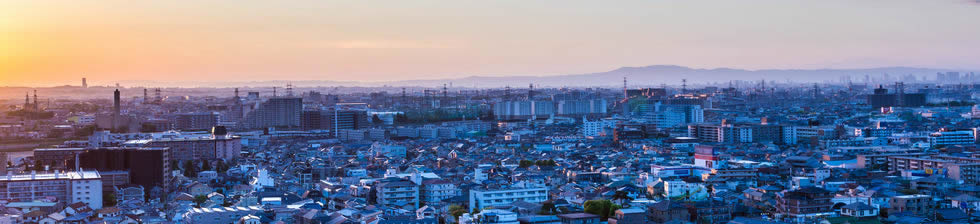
58 42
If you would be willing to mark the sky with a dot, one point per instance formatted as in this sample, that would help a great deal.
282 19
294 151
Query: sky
57 42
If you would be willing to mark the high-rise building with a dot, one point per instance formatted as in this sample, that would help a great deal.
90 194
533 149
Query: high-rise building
276 112
881 98
334 120
518 110
147 167
195 121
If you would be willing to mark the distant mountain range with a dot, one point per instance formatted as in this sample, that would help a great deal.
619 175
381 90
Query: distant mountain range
642 76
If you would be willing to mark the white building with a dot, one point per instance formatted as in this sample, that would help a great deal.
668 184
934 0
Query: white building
69 187
597 128
490 216
677 187
480 198
941 138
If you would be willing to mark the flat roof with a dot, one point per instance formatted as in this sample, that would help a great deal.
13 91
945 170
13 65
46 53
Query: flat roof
74 175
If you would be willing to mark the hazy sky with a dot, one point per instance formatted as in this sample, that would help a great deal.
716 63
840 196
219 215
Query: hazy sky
49 42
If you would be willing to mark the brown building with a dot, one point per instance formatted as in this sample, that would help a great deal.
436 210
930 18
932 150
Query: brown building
578 218
628 216
917 204
805 203
666 211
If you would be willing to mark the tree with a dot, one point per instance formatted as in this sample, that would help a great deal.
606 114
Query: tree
205 165
200 199
548 208
38 166
189 169
456 211
602 208
545 163
621 196
174 164
221 167
525 163
109 199
376 120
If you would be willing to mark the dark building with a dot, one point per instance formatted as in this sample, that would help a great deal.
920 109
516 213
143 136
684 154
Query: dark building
805 202
625 132
57 158
148 167
881 98
334 120
195 121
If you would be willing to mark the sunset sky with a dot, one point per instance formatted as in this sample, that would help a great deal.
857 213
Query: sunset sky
51 42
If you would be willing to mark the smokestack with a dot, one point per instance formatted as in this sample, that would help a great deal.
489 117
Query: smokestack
115 108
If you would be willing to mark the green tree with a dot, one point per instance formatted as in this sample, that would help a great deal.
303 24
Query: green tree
622 196
221 166
109 199
525 163
545 163
38 166
602 208
456 211
548 208
190 170
205 165
200 199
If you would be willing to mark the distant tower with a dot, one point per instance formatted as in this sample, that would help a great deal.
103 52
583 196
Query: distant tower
683 85
27 100
404 98
35 102
159 98
115 109
530 91
507 92
146 95
273 91
84 83
816 91
445 93
236 93
289 89
625 91
900 94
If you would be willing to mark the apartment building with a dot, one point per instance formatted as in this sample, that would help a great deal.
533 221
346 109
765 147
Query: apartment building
480 198
68 187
